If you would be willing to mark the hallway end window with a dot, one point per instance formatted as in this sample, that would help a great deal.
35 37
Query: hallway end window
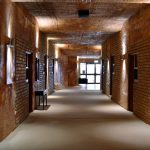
82 68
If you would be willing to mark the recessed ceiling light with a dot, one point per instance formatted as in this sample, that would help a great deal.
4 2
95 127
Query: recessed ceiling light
83 13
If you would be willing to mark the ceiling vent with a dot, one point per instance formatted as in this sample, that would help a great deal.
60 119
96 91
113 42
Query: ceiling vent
83 13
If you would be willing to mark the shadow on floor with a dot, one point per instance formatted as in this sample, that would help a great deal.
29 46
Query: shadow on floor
41 107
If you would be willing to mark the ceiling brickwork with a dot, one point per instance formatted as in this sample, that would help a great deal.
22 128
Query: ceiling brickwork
59 19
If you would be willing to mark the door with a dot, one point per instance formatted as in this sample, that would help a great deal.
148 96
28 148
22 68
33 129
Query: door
102 78
112 67
131 81
91 72
30 81
45 71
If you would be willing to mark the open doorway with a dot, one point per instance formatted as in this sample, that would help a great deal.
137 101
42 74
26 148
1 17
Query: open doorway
112 68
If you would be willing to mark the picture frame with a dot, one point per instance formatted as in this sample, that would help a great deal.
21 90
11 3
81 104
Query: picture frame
10 64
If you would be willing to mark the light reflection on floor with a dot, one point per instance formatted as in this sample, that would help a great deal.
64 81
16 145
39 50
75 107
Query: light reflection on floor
80 120
90 86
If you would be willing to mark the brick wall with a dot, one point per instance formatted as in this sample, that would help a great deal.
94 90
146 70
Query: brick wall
139 42
134 38
14 98
61 70
64 69
7 92
113 47
72 71
22 87
25 27
43 53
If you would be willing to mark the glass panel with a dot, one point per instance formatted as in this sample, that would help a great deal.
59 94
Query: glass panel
98 68
82 76
98 78
82 68
135 74
91 78
90 68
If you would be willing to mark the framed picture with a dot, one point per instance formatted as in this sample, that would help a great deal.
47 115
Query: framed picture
10 64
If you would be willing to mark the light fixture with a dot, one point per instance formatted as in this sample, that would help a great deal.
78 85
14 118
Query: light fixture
83 13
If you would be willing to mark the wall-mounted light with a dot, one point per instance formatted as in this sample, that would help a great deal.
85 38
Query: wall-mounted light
10 63
37 55
124 42
37 38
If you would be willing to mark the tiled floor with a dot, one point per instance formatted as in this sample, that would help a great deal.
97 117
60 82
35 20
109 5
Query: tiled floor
80 120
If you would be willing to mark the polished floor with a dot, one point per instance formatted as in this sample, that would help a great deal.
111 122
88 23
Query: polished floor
80 120
90 86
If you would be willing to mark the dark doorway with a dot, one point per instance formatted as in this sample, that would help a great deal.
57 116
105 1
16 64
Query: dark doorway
29 75
45 71
131 81
112 68
102 78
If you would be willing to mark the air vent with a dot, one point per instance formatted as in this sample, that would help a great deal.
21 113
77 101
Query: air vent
83 13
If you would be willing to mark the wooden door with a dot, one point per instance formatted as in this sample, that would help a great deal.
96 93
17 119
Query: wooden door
30 65
131 81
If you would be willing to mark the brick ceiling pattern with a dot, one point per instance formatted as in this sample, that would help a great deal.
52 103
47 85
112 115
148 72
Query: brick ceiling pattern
59 19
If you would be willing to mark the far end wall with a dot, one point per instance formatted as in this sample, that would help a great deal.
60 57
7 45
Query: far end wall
65 71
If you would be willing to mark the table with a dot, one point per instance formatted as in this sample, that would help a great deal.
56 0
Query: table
42 93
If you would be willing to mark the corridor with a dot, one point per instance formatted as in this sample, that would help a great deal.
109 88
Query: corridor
79 119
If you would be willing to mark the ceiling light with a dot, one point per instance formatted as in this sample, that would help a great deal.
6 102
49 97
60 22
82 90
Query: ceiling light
83 13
